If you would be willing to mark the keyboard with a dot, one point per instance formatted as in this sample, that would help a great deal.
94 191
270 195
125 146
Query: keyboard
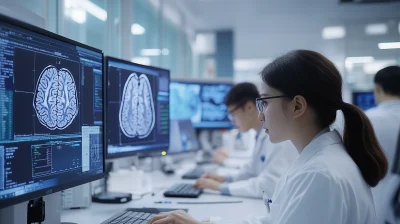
183 191
193 174
135 215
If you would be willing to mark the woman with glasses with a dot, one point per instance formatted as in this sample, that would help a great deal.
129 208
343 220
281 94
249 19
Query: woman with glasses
268 161
330 182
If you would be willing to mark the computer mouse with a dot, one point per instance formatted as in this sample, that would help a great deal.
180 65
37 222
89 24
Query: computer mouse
169 171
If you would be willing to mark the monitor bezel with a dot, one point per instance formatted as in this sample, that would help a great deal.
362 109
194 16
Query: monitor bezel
205 82
144 152
46 191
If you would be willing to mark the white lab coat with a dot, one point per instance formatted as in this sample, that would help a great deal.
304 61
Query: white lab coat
385 119
257 175
323 185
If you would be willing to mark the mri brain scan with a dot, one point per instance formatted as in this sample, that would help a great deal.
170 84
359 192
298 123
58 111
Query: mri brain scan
55 101
136 113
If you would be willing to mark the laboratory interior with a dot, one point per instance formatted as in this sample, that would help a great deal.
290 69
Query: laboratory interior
200 111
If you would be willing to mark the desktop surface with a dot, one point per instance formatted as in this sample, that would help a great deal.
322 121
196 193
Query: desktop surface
202 103
137 108
98 213
51 107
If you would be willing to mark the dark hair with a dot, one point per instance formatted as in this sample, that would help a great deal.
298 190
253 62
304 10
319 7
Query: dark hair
242 93
314 77
389 79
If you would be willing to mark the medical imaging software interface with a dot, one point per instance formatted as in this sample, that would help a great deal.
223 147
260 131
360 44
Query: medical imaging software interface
138 108
202 103
51 112
364 100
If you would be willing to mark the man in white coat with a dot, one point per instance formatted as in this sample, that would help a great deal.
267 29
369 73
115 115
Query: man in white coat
385 119
268 162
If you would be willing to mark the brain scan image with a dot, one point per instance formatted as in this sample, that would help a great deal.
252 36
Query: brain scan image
56 100
137 112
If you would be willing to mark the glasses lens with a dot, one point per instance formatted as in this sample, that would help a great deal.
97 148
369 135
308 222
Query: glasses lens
259 106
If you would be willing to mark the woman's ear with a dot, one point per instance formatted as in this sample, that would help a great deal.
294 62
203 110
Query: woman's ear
299 106
250 106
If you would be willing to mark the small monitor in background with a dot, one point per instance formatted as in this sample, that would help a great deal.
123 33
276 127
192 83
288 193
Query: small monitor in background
200 102
183 137
364 100
137 108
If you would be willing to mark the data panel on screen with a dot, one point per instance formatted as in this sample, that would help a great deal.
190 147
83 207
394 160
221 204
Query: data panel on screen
364 100
138 107
51 112
202 103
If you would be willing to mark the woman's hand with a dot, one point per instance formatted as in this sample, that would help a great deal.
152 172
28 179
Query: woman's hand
207 184
213 176
175 217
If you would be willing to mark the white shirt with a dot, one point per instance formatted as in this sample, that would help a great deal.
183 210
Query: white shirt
385 119
267 164
323 185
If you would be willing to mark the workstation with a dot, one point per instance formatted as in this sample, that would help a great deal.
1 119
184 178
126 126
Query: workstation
114 122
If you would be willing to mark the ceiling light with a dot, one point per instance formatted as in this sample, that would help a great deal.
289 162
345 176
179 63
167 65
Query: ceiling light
376 29
86 5
137 29
93 9
333 32
78 15
165 51
390 45
151 52
350 61
141 60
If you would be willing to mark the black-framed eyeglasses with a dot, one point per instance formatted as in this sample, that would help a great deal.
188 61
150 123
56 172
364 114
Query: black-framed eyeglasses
261 103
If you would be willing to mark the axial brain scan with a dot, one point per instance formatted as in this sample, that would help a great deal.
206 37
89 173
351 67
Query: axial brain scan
136 113
55 101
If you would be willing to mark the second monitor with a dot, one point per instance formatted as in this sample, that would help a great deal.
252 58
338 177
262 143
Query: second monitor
137 108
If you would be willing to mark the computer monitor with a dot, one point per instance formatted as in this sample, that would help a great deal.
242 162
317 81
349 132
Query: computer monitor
200 102
51 111
364 100
183 137
137 108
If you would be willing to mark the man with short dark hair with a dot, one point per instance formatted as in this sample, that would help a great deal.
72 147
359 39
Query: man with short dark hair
385 119
268 162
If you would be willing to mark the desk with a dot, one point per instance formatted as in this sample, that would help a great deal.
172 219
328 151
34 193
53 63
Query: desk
98 213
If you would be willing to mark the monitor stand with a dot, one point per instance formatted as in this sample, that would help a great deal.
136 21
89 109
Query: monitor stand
203 157
18 213
111 197
167 166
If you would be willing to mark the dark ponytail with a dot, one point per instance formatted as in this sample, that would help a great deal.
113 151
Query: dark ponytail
362 145
314 77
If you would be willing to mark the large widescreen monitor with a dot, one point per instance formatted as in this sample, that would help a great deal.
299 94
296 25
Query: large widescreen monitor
51 113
